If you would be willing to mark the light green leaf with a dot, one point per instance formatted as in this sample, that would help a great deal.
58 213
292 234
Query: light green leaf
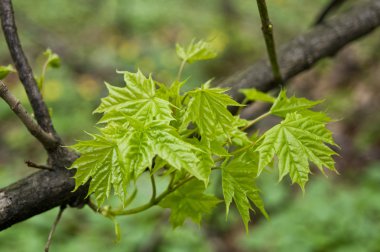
238 182
101 161
284 105
196 51
137 99
253 94
5 70
189 201
296 141
139 151
207 108
238 136
204 155
52 60
176 152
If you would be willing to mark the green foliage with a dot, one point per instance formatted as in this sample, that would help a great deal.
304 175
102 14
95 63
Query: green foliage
238 182
149 127
5 70
196 51
189 201
102 161
296 141
207 108
253 94
138 99
52 60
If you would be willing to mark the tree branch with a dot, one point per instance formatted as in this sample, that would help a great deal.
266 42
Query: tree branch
46 139
24 70
307 49
48 189
330 7
40 192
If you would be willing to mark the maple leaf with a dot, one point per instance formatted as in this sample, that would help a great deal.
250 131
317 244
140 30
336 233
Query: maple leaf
101 161
138 99
297 140
238 182
200 50
207 108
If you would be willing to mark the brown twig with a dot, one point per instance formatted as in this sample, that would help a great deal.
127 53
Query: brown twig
330 7
34 165
45 138
61 209
307 49
23 68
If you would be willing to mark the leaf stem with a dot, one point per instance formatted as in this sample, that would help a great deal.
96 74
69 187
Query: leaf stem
181 70
151 203
267 29
256 120
41 81
131 198
154 189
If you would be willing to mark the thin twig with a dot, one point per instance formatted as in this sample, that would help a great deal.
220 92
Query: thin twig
47 140
267 29
47 245
34 165
329 8
23 68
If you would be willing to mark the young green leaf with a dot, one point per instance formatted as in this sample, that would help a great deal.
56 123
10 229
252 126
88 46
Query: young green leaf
176 152
200 50
238 182
296 141
52 60
253 94
137 99
5 70
101 161
207 108
189 201
204 155
284 105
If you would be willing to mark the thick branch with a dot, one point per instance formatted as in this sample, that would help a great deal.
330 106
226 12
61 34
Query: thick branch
304 51
24 70
46 139
38 193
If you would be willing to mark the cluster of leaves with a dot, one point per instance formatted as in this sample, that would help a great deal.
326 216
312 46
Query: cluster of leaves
151 127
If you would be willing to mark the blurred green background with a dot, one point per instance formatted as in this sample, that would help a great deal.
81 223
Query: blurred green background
95 37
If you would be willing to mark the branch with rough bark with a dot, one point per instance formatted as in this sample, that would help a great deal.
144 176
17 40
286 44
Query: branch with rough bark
45 138
45 190
328 9
23 68
304 51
